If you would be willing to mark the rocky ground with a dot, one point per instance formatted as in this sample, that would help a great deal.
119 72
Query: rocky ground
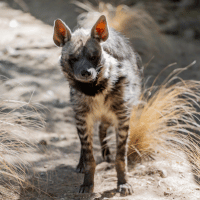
30 72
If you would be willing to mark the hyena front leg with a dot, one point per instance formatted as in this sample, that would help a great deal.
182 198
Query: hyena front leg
81 165
102 136
86 163
80 125
121 157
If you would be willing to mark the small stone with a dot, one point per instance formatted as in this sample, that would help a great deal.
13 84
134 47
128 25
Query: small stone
104 166
159 183
15 55
19 35
13 23
170 189
167 193
54 139
8 50
42 174
11 52
163 173
43 142
62 137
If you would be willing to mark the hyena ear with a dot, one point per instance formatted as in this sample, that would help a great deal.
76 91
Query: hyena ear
62 33
100 30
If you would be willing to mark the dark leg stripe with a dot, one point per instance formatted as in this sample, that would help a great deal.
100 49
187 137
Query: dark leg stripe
87 151
80 120
123 117
123 136
81 130
102 135
81 112
80 124
123 128
121 144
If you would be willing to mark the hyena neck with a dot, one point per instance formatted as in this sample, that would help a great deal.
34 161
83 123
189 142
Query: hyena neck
90 89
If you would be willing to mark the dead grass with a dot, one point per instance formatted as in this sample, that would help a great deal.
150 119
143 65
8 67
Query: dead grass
168 119
17 118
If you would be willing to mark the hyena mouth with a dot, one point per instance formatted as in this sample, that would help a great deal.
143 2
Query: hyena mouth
86 76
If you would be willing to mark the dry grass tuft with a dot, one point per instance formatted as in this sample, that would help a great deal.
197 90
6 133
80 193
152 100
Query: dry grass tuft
167 120
17 118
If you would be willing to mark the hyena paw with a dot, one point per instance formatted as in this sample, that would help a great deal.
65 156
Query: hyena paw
86 188
125 189
80 168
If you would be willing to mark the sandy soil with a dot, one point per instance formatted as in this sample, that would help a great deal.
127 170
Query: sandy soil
30 72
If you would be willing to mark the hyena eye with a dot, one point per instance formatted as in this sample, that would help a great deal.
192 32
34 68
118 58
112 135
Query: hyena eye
93 58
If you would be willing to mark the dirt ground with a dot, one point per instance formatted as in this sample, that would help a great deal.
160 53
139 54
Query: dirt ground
30 72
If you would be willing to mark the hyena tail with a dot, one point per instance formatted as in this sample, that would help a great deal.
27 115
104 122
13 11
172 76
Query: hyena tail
167 121
134 23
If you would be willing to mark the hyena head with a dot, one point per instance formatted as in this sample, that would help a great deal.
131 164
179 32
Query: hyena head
81 53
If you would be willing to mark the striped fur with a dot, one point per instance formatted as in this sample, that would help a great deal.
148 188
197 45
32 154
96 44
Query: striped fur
107 97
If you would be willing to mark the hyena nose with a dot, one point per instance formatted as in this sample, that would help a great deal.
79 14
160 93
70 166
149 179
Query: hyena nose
85 73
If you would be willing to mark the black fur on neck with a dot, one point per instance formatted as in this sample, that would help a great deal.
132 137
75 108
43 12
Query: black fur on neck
92 88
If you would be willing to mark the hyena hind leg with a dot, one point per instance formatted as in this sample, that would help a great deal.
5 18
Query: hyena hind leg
102 136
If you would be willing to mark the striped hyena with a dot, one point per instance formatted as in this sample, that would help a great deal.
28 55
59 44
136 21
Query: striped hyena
104 75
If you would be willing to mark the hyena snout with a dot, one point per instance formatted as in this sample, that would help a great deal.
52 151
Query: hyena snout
86 75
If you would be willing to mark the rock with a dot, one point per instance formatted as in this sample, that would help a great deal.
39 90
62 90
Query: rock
103 166
167 193
62 137
11 52
54 139
43 142
42 174
13 23
163 173
8 50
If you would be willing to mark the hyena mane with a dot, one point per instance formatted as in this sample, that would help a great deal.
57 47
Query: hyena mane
104 75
